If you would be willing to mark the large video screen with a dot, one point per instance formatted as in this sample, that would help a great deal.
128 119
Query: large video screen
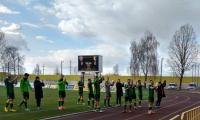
90 63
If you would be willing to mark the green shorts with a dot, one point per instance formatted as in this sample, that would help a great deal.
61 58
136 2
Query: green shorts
62 94
97 97
90 96
26 95
11 95
128 99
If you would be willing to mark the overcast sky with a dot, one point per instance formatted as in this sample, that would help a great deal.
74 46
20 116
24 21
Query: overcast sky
48 31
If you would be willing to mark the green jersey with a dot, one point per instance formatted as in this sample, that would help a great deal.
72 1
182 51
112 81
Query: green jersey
25 85
128 90
97 87
90 88
62 85
9 86
151 92
80 86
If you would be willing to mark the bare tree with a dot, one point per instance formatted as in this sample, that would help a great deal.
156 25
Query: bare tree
144 56
134 64
182 51
37 70
10 56
148 54
116 69
2 45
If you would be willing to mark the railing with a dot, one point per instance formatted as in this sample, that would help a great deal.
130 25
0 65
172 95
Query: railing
192 114
177 117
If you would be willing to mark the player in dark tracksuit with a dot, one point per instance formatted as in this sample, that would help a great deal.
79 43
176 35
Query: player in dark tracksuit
119 92
140 92
151 90
90 93
159 94
9 83
80 91
38 91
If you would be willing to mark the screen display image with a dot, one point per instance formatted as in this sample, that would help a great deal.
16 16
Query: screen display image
88 63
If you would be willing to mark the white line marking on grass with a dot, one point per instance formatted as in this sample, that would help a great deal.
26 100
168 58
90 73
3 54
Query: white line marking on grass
71 114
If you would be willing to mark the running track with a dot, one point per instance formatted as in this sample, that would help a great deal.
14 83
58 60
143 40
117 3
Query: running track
173 104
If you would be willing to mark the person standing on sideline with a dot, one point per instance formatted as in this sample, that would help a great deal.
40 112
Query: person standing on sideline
90 93
9 84
97 90
38 91
140 92
128 95
151 89
159 90
80 91
25 87
108 84
119 92
62 92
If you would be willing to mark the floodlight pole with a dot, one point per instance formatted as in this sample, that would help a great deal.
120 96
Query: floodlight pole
61 67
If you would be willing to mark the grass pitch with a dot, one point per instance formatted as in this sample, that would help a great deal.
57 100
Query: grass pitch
49 105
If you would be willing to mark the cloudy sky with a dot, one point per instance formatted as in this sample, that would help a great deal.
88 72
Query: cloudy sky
48 31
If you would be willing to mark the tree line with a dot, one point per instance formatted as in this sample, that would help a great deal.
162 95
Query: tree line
182 52
11 60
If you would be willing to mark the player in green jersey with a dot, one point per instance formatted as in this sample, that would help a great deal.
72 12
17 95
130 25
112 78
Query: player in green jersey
90 93
25 87
140 92
151 90
9 84
61 85
97 90
128 95
134 94
80 91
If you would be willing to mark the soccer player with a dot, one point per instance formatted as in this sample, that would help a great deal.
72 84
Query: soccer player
134 94
38 91
61 91
9 83
160 93
151 89
119 92
108 92
25 87
140 93
128 95
80 91
90 93
97 89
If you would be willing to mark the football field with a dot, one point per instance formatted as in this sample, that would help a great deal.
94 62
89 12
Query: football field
49 105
